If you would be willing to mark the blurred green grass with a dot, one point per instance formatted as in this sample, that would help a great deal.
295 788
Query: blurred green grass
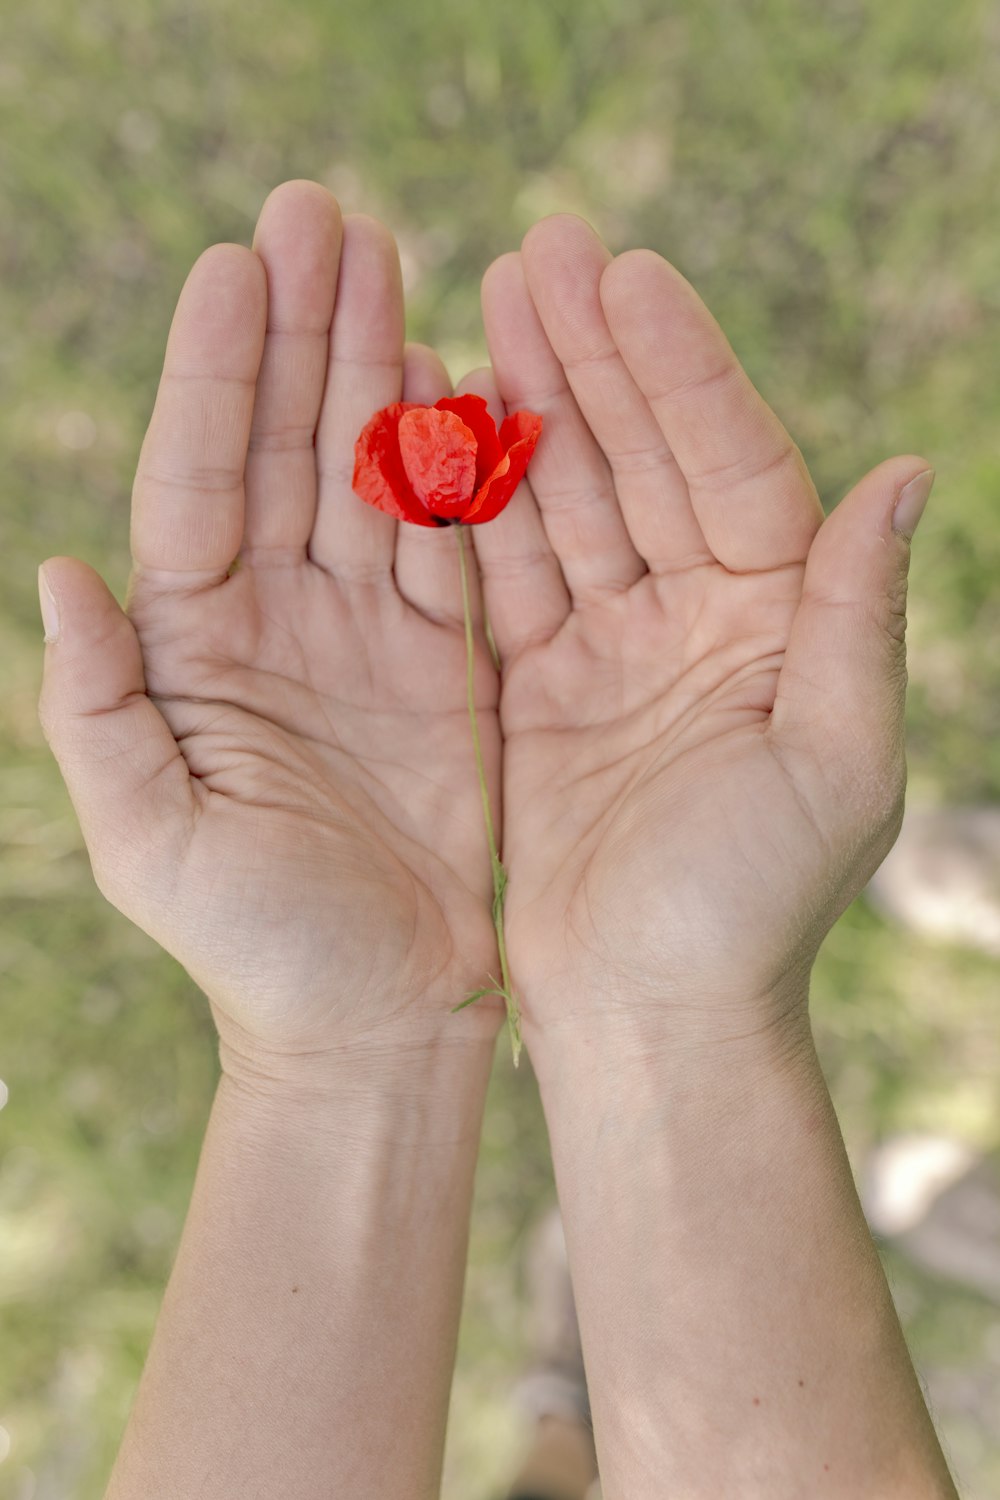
826 176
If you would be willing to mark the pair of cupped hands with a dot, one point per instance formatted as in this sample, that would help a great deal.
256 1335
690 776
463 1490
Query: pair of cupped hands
694 741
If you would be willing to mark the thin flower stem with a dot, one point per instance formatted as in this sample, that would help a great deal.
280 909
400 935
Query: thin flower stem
499 873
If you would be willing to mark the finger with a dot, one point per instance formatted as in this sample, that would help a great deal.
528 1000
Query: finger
187 500
563 262
125 774
298 239
524 592
749 487
350 539
841 688
570 477
427 562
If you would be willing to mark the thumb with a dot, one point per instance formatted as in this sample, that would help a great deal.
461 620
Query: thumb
842 685
124 771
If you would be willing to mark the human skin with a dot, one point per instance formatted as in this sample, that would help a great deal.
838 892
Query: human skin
274 777
703 685
273 774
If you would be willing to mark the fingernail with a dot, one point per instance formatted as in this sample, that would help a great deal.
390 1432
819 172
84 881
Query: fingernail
50 609
909 506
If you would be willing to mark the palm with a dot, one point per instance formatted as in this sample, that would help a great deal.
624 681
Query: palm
328 742
665 776
668 809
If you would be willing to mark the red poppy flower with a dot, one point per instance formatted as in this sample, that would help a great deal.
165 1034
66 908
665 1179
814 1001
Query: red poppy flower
436 464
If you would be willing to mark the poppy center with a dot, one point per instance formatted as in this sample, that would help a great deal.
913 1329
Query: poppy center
439 459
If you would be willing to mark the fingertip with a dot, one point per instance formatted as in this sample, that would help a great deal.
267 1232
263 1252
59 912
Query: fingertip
897 474
563 255
502 275
892 474
896 490
218 264
367 331
563 265
477 382
221 316
911 502
68 577
369 260
556 228
298 237
58 563
365 229
425 375
631 271
298 190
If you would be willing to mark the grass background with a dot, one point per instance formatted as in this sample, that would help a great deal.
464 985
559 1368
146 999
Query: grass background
826 174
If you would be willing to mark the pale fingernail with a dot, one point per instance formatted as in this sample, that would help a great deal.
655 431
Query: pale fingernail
50 609
910 505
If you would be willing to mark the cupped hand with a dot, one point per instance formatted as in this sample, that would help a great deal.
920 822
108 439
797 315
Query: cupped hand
703 679
272 761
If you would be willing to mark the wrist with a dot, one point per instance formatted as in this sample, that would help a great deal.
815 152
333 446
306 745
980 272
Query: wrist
677 1034
377 1091
419 1041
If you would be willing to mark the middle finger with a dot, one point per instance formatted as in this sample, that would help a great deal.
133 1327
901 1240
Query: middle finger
563 262
570 477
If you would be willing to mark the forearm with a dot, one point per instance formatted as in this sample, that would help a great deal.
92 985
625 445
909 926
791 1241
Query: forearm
306 1341
738 1331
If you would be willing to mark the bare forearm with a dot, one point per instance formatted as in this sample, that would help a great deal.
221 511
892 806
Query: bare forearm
738 1331
306 1341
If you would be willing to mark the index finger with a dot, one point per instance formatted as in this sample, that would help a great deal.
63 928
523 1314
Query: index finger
749 487
188 499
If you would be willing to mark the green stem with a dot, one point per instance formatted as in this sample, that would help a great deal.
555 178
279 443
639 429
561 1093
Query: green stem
505 989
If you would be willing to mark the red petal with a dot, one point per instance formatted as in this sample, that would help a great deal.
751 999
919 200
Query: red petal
475 414
518 427
439 459
522 429
379 476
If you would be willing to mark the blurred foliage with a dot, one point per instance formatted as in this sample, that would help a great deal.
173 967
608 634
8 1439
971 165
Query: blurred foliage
825 173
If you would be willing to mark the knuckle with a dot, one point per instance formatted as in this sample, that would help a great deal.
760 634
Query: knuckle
894 618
